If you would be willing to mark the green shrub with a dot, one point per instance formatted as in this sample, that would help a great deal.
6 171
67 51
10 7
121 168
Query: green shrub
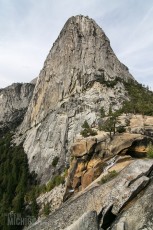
108 177
65 174
85 125
46 209
50 185
40 189
55 161
121 129
93 132
108 83
150 151
56 180
127 122
87 131
102 112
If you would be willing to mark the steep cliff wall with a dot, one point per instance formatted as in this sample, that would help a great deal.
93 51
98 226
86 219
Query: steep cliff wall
81 74
14 101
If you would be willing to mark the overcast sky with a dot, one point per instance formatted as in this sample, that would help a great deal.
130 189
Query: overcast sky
28 29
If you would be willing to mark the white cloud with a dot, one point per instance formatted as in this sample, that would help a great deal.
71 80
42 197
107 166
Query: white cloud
28 29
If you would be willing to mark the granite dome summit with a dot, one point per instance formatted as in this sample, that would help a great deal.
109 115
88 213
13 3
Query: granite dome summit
69 90
80 55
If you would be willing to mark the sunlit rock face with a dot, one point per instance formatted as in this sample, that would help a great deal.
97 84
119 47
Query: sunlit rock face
81 74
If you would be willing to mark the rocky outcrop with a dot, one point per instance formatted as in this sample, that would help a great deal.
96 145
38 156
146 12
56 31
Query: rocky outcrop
139 214
129 143
80 75
94 155
87 164
14 101
141 124
54 198
34 81
88 221
108 199
83 147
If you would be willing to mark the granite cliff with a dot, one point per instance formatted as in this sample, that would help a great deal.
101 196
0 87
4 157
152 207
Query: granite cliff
14 101
72 86
96 178
80 76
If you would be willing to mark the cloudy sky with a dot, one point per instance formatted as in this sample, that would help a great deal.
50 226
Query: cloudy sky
28 29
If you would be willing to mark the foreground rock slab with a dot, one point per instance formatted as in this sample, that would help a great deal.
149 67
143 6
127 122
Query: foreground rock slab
108 198
139 215
86 222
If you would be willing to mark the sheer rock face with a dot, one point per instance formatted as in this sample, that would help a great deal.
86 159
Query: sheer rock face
14 101
71 89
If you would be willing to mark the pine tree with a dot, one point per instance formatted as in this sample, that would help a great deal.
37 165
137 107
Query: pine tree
34 206
18 203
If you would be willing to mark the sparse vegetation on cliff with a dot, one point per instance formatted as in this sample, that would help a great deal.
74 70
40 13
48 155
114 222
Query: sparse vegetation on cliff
57 180
108 83
109 125
55 161
108 177
102 112
120 129
46 209
150 151
87 130
141 99
40 189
